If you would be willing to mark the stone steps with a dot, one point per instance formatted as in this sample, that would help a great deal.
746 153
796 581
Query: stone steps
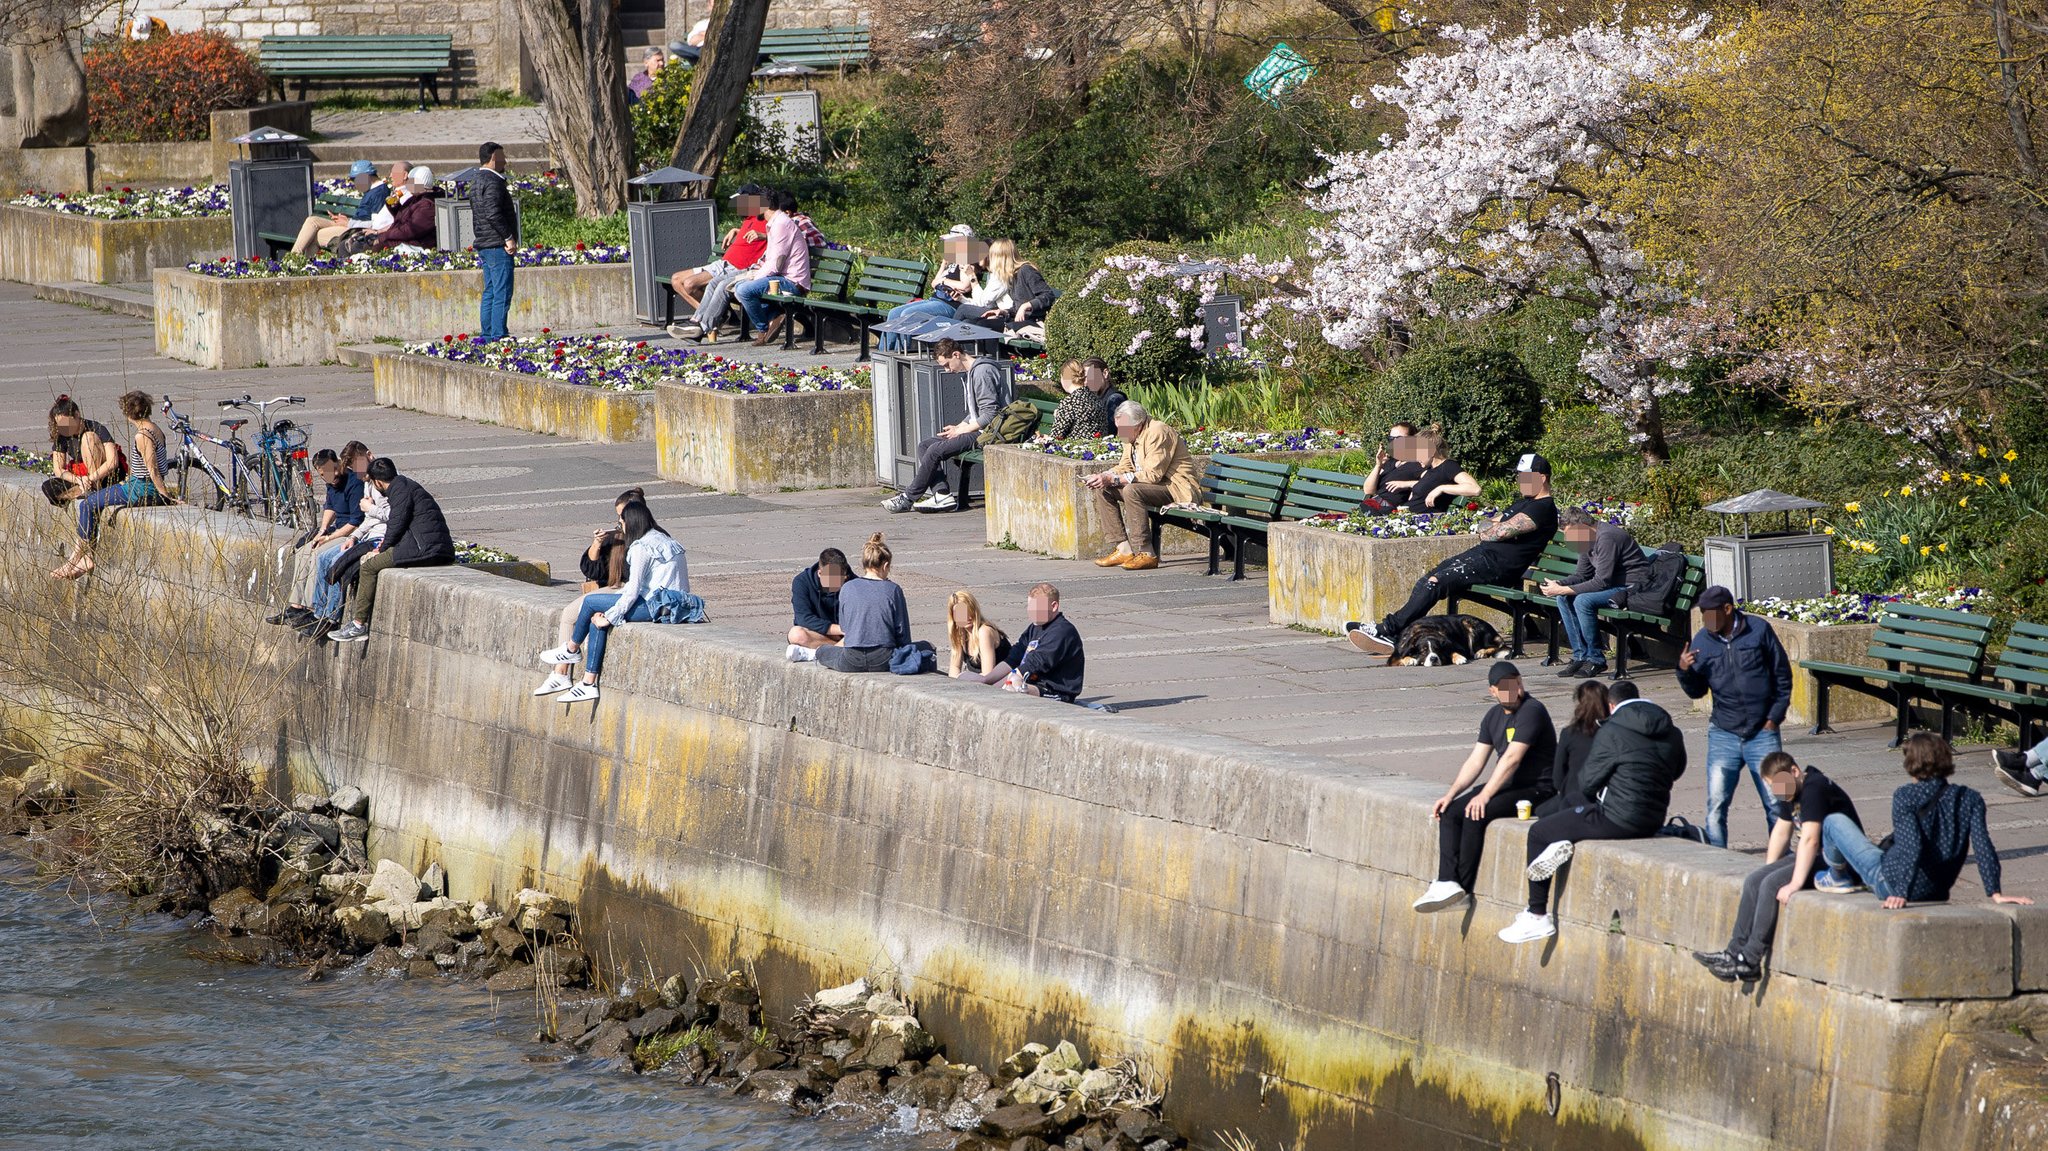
138 300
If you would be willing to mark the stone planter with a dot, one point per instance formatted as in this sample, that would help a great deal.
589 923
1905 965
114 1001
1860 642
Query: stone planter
1319 578
219 323
1036 502
525 571
38 246
1836 643
764 441
153 165
513 399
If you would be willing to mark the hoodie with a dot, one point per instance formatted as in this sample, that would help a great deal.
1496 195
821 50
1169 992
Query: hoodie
654 562
1637 756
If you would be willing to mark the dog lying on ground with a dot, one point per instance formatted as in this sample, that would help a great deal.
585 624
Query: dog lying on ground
1436 640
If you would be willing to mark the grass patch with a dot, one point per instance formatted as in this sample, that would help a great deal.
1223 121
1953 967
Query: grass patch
397 100
657 1050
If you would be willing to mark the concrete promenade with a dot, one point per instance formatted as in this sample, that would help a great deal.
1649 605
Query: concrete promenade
1170 646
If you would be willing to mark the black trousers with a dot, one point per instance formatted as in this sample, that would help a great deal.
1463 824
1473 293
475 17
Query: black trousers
1460 839
1756 918
933 451
1466 569
1575 825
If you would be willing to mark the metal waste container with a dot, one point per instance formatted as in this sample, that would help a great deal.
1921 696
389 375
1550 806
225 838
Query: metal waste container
270 191
455 217
1787 564
666 237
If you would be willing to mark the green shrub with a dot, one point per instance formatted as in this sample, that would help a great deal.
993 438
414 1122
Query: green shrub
1487 404
1082 326
658 118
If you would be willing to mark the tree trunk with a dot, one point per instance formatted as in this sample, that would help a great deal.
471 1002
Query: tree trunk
1650 425
731 46
2009 87
576 50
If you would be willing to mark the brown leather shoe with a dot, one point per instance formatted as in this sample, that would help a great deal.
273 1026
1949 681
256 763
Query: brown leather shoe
1142 562
1114 559
768 333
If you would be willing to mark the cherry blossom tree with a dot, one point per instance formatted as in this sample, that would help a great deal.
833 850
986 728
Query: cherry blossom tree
1124 281
1505 187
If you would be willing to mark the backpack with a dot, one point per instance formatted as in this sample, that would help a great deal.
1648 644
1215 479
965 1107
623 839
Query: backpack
1679 827
1659 591
351 243
1013 424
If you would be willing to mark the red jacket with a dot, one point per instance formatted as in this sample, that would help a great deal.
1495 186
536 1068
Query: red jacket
412 222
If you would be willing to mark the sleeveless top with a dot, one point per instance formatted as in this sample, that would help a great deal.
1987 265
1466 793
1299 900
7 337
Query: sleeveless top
139 479
971 658
1422 497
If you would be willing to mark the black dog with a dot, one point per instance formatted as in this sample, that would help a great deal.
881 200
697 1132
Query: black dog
1435 640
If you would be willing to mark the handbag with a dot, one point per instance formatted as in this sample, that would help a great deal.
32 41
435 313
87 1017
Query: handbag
1679 827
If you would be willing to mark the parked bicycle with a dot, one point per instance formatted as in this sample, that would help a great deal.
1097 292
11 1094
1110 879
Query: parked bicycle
271 478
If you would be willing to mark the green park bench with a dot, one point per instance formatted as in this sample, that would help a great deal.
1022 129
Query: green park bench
1019 344
833 46
307 59
1524 603
831 274
964 463
1518 602
343 203
2023 670
884 283
1672 628
1241 498
1928 654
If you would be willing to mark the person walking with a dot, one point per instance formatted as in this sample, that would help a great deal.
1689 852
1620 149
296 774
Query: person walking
497 230
1737 657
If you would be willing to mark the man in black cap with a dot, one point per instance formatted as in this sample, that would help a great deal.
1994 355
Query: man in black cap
1508 545
1738 658
1519 731
708 287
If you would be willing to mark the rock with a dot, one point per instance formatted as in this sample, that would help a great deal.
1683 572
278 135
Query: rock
1162 1144
507 941
470 956
434 879
328 831
975 1143
653 1022
882 1052
841 998
562 962
534 899
234 909
1098 1085
512 980
385 961
579 1017
674 990
421 968
305 845
1015 1122
350 802
240 949
535 922
860 1089
453 920
787 1087
434 942
926 1091
838 1049
393 884
1061 1058
1030 1143
1141 1126
366 925
610 1041
1024 1062
307 801
883 1003
344 882
411 916
762 1059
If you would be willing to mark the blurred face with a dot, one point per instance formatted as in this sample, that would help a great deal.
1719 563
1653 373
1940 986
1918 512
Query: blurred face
399 173
364 181
1095 379
1041 608
360 464
1783 785
750 205
1530 483
1128 432
330 472
1717 619
1508 691
69 425
1579 534
956 251
831 577
962 617
654 62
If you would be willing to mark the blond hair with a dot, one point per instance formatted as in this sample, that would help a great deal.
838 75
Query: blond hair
1071 375
876 554
962 638
1002 260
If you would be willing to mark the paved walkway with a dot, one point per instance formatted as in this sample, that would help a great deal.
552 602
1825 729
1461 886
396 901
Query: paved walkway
1171 646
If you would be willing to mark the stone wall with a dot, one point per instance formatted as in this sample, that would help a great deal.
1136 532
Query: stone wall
38 246
512 399
809 13
1235 915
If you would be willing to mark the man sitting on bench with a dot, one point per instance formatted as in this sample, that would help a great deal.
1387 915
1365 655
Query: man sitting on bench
1508 545
320 231
987 386
709 288
1156 470
1610 563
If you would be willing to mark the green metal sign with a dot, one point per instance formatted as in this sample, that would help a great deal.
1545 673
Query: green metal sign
1282 71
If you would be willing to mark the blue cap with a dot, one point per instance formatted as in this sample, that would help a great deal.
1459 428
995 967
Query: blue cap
361 168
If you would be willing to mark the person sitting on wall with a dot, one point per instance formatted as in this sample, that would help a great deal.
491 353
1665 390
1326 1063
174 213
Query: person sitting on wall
322 231
708 288
1508 545
985 383
415 535
1518 735
371 510
1805 799
1080 415
1637 757
872 613
84 456
144 487
1590 705
1610 563
814 604
1156 470
1048 659
963 254
978 645
412 220
603 565
650 66
339 518
657 568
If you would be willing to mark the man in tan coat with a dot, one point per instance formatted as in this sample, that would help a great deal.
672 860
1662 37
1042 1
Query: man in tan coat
1156 470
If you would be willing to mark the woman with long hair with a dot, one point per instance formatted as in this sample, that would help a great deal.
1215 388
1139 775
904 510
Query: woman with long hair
872 613
1590 706
84 456
990 299
978 645
144 487
655 563
1443 478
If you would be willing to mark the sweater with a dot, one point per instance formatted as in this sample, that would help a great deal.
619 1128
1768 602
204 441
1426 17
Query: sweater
1050 656
787 255
654 562
1028 287
873 613
1637 756
1612 559
810 605
1934 824
1748 672
987 389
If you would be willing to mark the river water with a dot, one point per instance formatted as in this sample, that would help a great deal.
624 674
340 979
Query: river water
116 1036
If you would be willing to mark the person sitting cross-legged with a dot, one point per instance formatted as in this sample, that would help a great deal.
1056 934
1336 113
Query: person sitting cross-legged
1508 545
655 564
1610 563
1156 470
1048 659
873 614
415 535
1805 799
814 605
985 384
1518 731
1637 757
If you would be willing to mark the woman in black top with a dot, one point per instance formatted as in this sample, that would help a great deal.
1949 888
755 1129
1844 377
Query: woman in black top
84 456
1574 741
1442 477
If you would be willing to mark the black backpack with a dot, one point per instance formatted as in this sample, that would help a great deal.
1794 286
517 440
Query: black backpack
1659 592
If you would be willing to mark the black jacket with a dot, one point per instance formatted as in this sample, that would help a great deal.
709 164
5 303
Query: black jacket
1050 655
416 535
1637 756
1029 287
810 605
1611 559
491 211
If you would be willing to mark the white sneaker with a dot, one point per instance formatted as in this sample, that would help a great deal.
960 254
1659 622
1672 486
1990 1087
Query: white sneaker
557 655
798 653
1545 865
1442 895
897 503
937 502
554 683
1528 927
578 694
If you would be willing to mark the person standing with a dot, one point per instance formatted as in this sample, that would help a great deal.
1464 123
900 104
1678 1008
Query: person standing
1738 658
1610 563
415 535
1156 470
1519 736
496 223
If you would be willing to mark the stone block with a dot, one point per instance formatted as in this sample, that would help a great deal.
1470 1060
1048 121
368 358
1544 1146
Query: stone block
66 170
766 441
1036 502
1923 951
152 165
1320 578
512 399
44 247
218 323
1837 643
2030 943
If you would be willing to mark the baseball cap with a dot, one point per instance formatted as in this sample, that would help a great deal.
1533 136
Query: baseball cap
747 190
1531 462
1716 596
361 168
421 176
959 232
1501 670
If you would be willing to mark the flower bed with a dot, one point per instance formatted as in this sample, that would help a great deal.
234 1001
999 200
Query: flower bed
1460 520
1209 442
133 203
39 245
396 260
1319 579
602 361
1859 607
28 461
499 562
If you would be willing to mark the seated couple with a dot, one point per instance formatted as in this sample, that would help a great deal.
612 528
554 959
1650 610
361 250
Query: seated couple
769 252
1047 660
980 283
654 588
400 211
1413 473
375 519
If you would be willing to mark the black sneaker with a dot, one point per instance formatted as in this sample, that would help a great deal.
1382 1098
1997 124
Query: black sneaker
1711 958
1590 669
2011 768
281 618
1735 968
1367 637
1572 670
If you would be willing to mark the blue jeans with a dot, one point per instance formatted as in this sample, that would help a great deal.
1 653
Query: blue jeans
136 492
497 267
938 309
1847 849
750 296
326 596
591 638
1582 625
1727 755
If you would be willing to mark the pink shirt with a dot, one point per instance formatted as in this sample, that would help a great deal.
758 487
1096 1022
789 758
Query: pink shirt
788 256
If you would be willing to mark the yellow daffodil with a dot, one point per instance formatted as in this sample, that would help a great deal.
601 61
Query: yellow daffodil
1852 506
1942 548
1980 481
1964 502
2003 478
2010 456
1924 549
1982 451
1944 477
1906 539
1905 489
1828 530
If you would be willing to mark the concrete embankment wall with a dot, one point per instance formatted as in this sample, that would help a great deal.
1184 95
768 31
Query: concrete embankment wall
1234 915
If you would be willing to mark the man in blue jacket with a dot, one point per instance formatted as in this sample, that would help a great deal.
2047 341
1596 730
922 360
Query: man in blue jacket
1738 658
